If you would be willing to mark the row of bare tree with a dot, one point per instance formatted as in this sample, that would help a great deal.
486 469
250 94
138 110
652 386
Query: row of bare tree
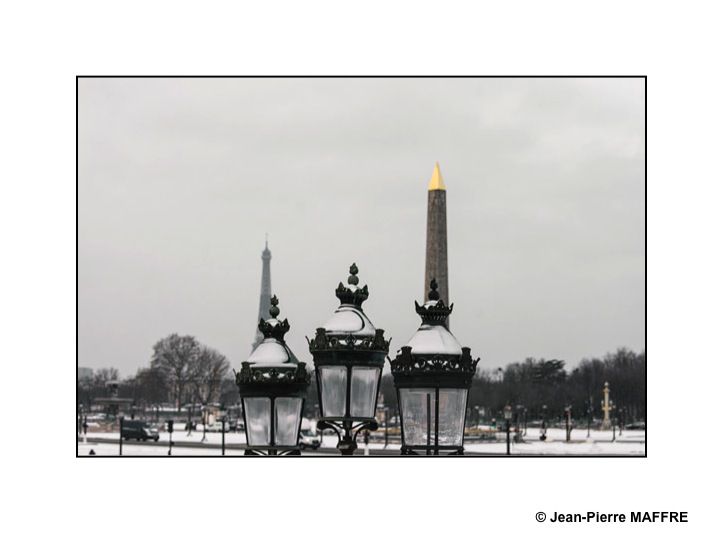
182 370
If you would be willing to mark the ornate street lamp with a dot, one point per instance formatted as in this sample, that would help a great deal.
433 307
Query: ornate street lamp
349 354
507 414
432 375
273 386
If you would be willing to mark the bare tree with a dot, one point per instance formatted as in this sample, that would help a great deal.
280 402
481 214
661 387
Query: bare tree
208 369
151 385
174 357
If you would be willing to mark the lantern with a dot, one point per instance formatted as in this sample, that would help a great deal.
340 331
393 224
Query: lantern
273 386
349 354
432 376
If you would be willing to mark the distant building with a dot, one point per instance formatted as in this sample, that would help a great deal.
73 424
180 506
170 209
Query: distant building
265 293
84 373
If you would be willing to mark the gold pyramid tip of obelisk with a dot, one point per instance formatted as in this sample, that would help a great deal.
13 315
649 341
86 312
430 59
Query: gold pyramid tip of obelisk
436 182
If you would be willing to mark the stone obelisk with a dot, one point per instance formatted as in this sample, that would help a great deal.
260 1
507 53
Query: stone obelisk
436 261
265 292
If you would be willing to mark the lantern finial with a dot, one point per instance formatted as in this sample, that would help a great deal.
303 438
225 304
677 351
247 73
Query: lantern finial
433 294
352 294
434 311
274 327
274 310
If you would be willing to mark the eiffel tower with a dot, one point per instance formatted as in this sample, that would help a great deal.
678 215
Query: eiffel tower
265 293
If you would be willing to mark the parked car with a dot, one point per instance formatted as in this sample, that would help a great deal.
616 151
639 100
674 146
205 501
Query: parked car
139 430
636 426
309 440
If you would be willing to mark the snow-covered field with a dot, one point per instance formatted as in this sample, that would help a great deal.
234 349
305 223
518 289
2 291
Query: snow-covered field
631 443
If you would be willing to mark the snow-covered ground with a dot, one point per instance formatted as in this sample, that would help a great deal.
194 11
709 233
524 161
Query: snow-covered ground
599 443
182 436
111 449
631 443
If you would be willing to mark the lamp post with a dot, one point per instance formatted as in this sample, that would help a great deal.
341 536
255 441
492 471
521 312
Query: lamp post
170 424
272 385
589 416
543 425
349 355
122 420
189 422
432 376
568 413
386 417
223 419
507 414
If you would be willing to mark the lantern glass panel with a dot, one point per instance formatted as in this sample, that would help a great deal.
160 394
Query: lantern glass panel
287 420
451 416
333 389
363 389
417 405
257 416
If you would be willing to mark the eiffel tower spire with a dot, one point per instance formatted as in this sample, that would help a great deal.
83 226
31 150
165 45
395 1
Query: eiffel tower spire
265 292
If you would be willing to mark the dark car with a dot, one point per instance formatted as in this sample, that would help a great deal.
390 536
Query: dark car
137 429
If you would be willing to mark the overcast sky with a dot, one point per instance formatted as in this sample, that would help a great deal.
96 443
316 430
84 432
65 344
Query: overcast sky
180 179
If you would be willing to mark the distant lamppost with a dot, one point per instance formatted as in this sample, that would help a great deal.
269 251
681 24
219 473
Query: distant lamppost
507 414
273 385
568 413
386 417
433 375
80 418
85 426
349 355
223 419
203 416
189 422
170 424
589 416
121 421
613 418
543 425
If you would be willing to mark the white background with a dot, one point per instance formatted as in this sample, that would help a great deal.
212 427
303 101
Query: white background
47 491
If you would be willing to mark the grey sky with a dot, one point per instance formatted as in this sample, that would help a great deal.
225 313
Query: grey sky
179 179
